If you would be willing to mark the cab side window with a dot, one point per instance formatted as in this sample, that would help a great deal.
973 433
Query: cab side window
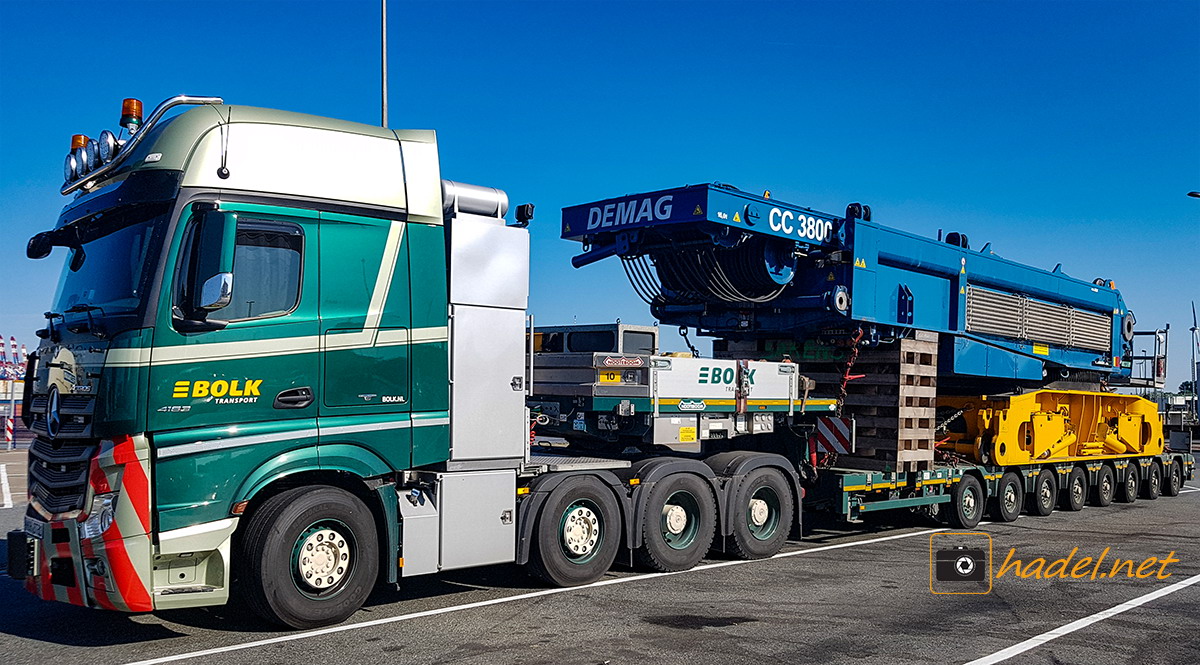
267 270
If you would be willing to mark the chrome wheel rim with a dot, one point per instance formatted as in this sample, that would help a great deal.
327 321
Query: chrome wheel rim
581 531
323 558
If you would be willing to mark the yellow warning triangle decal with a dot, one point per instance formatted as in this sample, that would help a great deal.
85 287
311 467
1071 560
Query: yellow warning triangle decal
963 270
697 211
962 291
860 263
736 218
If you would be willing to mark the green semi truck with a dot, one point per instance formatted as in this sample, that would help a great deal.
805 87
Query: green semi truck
286 355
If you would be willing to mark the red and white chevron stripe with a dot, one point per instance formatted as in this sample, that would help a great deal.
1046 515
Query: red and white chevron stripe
834 435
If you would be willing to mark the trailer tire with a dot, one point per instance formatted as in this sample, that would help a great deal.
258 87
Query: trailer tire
1127 491
1103 490
1044 494
1074 493
306 531
577 534
1174 480
1006 505
761 529
966 503
670 544
1153 485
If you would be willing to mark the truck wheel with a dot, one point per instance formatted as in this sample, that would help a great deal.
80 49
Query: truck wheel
577 533
1102 492
1174 479
1127 492
1045 491
1074 493
1153 485
1006 505
966 503
310 556
762 514
677 524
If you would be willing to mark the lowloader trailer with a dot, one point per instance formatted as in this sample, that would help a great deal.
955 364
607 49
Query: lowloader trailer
285 355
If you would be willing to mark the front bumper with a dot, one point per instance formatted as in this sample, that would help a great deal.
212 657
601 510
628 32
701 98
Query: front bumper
56 564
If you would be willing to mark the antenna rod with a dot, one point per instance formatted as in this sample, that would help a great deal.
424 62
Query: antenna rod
383 27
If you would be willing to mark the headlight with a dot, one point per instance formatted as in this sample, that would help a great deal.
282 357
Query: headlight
100 517
92 153
69 167
81 163
108 146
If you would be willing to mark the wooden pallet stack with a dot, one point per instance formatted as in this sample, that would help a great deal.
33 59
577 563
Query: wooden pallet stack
894 404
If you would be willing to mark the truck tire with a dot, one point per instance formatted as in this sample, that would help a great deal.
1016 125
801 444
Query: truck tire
678 523
763 512
1006 505
1102 492
577 533
310 557
1153 485
1074 493
1173 483
1127 490
966 503
1044 494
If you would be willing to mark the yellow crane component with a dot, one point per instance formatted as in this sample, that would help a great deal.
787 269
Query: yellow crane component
1052 426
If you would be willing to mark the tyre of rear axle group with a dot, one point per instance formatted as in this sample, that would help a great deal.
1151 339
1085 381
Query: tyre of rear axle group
1105 487
763 511
678 523
1173 483
1127 490
577 533
1074 492
1010 497
310 557
966 503
1044 494
1153 485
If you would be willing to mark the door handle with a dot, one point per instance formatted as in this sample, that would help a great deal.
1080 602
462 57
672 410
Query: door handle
294 398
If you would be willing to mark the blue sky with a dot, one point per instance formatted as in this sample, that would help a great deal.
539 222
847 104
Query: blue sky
1058 131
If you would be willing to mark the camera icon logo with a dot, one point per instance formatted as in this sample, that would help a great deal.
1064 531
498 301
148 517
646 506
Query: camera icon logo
960 563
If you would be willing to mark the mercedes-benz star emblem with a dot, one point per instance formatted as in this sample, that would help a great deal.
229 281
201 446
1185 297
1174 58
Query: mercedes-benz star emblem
53 417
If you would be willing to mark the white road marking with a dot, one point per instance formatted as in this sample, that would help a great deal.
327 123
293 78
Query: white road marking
1193 489
510 599
5 493
1035 642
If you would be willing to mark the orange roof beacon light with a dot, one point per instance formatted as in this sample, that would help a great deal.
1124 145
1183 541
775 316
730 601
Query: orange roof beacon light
78 141
131 114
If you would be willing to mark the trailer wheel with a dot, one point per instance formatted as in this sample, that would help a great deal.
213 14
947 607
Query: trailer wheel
1074 493
1045 491
1102 492
577 533
1127 492
1174 479
966 503
678 523
762 514
1006 505
1153 485
310 556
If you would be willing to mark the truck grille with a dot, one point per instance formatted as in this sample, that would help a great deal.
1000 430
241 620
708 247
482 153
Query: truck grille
58 473
76 412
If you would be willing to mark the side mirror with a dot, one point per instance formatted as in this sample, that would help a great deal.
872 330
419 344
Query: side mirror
78 256
216 293
216 238
39 246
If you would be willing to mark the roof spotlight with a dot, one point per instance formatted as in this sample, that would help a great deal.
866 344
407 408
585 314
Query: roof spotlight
108 146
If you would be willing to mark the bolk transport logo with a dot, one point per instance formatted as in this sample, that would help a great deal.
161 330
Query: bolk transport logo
237 391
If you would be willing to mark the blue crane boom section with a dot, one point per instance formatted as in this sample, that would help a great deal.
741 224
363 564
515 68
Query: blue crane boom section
740 266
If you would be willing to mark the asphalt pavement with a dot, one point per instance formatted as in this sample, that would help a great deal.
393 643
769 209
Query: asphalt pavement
845 593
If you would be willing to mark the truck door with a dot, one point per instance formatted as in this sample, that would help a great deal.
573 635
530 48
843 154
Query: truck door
365 400
229 399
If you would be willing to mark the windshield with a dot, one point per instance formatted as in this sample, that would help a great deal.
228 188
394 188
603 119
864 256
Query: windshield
110 288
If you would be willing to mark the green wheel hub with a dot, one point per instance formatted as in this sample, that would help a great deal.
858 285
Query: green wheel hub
581 531
762 513
680 520
322 558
